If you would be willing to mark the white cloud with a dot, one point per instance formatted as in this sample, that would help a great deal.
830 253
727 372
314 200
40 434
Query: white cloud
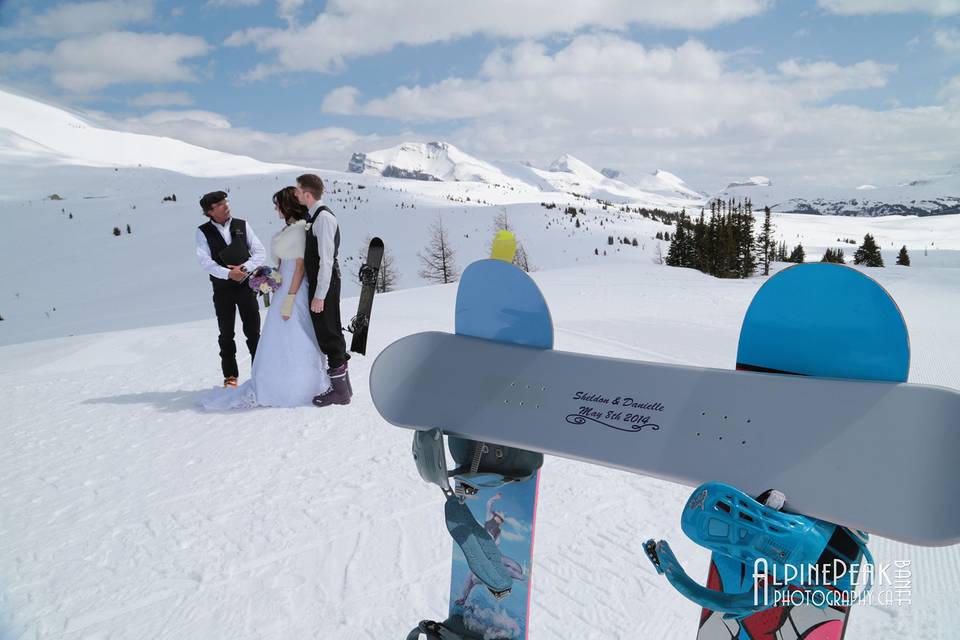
951 91
351 28
862 7
821 79
233 3
614 102
72 19
91 63
605 73
341 100
947 39
288 9
163 99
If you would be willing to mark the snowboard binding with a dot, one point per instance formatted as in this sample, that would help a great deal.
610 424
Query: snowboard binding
793 558
480 466
368 278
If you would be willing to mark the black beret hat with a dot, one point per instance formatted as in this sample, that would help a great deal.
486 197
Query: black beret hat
212 198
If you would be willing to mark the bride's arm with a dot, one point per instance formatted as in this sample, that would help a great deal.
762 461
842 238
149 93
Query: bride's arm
287 308
297 278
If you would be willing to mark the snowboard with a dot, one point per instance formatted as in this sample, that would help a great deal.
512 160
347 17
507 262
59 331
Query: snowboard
369 272
752 430
498 302
823 320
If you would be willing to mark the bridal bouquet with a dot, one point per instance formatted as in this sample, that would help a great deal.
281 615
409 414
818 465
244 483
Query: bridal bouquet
265 280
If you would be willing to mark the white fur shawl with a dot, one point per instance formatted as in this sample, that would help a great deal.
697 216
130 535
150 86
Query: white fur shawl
289 242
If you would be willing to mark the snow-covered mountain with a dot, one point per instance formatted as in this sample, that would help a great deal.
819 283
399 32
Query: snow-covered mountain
933 195
36 134
430 161
660 182
443 162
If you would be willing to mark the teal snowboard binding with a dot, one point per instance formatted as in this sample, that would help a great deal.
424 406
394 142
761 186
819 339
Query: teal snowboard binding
795 559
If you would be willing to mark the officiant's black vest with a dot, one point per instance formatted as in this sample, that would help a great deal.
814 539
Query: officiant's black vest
311 254
223 254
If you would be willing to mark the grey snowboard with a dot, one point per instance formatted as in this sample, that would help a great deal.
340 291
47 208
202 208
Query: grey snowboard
691 425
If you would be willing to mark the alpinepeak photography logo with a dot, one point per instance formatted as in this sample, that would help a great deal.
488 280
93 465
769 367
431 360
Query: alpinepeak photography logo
833 584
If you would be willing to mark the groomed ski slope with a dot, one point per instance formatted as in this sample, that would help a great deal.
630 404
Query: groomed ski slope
125 513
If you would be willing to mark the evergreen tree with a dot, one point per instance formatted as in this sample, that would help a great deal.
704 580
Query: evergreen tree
797 255
701 247
833 255
438 258
868 253
746 259
680 253
903 258
765 241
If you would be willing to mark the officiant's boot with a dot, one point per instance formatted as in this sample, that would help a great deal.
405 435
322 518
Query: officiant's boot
339 391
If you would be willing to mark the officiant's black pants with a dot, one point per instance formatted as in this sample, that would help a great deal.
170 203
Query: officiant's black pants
228 299
327 324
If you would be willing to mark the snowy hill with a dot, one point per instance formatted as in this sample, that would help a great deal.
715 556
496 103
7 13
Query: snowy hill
87 280
933 195
37 135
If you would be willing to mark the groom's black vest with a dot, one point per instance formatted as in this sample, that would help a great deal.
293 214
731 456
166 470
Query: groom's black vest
223 254
311 254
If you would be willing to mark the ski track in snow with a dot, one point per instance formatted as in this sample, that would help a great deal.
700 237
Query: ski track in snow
126 513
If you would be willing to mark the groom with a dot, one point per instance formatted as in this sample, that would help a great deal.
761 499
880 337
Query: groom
323 285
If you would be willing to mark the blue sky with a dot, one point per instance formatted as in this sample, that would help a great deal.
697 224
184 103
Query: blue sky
838 91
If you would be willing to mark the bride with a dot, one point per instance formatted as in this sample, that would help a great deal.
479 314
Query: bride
289 369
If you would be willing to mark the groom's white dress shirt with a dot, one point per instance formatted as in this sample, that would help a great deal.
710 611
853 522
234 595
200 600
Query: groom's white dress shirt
325 228
258 255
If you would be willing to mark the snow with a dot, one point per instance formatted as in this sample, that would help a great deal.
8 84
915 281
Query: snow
41 135
430 161
126 513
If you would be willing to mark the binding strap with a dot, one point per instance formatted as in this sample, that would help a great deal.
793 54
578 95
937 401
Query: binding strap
481 552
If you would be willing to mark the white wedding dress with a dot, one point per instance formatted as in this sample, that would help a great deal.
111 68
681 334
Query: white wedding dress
289 368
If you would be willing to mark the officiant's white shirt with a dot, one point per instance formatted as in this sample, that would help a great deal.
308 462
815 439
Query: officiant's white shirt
258 255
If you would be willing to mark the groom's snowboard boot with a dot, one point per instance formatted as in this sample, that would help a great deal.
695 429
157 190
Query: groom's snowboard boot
340 390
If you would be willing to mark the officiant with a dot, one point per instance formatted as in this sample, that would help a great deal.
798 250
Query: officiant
228 251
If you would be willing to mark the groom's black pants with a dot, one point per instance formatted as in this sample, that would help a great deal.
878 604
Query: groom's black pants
327 324
228 299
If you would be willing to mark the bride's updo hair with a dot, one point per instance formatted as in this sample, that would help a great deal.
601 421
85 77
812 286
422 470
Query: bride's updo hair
290 207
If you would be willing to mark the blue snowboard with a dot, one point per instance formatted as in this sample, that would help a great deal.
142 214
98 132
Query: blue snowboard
497 301
823 320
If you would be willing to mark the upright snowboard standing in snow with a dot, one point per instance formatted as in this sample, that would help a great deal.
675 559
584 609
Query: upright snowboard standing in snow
369 272
496 302
822 320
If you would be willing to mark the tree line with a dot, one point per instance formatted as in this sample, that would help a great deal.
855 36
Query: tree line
726 245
